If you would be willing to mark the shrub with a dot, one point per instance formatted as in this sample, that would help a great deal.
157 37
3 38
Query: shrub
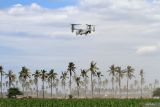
156 93
13 92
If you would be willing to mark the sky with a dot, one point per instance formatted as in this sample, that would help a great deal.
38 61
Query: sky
37 34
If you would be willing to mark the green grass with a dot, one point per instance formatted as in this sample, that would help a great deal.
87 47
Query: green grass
75 102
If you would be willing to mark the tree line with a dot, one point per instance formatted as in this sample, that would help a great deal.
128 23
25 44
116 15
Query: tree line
72 75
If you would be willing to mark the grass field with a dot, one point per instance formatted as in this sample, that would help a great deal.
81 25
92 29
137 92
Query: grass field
78 102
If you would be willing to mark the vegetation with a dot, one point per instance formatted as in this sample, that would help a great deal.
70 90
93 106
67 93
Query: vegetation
74 102
156 93
84 86
13 92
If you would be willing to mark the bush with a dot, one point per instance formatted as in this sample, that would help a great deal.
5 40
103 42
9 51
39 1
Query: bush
156 93
70 96
13 92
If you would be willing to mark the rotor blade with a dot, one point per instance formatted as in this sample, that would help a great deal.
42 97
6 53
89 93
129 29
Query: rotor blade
75 24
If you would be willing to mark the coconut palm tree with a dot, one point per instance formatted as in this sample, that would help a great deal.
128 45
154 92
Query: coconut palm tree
1 73
31 82
119 75
156 82
24 74
99 75
43 76
56 85
130 74
93 68
142 79
63 78
51 77
136 85
78 81
71 70
36 75
105 84
112 71
11 77
85 76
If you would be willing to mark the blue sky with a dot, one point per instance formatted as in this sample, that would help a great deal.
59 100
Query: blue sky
43 3
127 33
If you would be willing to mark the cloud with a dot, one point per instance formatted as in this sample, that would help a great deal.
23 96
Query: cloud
145 50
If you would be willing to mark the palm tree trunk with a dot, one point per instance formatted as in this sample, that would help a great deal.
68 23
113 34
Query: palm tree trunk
119 87
43 89
99 86
9 82
85 87
92 85
141 87
127 87
64 90
77 91
70 84
37 89
113 86
1 86
51 87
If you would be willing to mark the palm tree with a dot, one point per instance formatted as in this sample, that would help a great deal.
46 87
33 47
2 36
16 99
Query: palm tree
51 77
31 82
24 74
156 82
129 73
112 71
11 77
142 80
56 85
36 75
99 75
1 72
71 69
136 85
93 68
43 76
119 74
85 76
105 83
78 81
64 77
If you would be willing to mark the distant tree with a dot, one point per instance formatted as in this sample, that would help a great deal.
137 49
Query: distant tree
51 77
36 75
119 74
136 84
105 84
130 74
43 76
99 75
24 74
78 82
156 92
13 92
71 70
142 80
85 76
93 68
156 83
1 73
112 72
11 77
63 78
